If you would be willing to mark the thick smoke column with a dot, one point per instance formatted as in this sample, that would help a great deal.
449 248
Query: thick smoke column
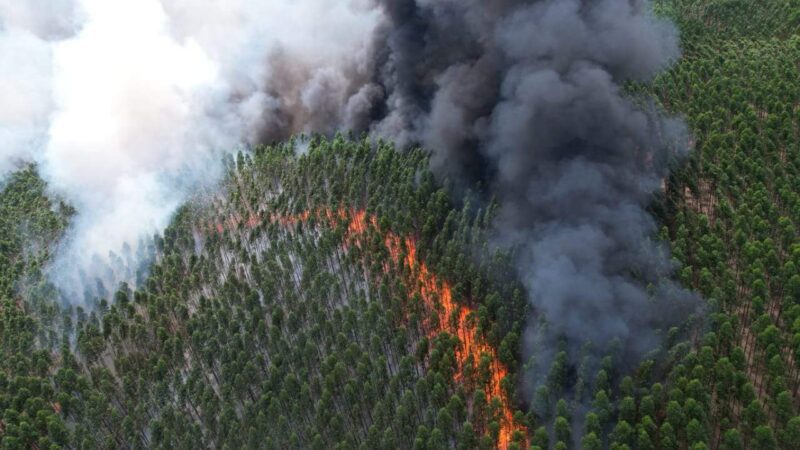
127 105
27 32
526 96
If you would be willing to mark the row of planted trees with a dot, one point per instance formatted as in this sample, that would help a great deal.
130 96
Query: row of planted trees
252 331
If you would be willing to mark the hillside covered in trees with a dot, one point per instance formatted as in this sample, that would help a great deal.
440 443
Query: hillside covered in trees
343 297
277 315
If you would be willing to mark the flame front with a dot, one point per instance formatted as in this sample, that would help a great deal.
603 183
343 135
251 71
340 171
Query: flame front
457 320
437 295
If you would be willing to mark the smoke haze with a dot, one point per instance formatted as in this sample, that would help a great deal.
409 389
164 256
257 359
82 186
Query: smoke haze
127 105
526 97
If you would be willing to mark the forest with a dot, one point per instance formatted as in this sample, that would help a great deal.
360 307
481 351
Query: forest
343 297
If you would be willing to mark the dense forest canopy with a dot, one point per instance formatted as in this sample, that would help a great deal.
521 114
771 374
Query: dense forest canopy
344 297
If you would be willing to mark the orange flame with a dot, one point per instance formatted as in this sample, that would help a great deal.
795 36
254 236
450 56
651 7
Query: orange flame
436 294
462 325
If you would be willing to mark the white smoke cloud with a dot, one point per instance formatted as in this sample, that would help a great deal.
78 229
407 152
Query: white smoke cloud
127 97
128 105
27 30
24 94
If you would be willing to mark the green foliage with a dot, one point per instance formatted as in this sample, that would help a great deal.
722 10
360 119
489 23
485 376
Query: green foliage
731 213
257 334
29 225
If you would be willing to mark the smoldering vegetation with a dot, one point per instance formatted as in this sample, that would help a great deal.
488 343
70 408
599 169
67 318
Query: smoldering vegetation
526 100
128 107
523 101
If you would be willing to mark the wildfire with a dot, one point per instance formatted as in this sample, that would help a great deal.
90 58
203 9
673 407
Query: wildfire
436 294
431 289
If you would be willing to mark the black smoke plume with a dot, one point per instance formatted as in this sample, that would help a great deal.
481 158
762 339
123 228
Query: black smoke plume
527 98
524 97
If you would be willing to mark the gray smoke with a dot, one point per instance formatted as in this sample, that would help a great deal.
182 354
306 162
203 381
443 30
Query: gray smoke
526 97
523 96
125 105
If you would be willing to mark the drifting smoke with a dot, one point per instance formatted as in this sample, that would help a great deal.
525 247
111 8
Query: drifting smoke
526 97
127 104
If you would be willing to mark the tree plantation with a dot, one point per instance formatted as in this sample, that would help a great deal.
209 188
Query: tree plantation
332 293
